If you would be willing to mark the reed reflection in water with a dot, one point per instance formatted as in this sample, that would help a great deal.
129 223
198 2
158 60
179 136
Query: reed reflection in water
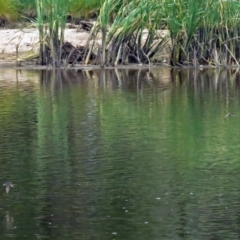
121 154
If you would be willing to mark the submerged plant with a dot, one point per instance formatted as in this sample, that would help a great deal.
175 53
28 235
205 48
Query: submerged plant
51 22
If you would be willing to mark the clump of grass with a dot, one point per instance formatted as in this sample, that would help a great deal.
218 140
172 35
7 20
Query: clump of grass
8 11
84 8
201 32
129 33
204 32
51 22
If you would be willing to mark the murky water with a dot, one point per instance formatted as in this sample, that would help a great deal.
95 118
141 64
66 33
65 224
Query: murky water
124 154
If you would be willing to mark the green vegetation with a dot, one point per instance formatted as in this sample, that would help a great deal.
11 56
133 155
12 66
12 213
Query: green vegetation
51 22
132 31
204 32
28 8
200 32
8 10
11 9
78 8
84 8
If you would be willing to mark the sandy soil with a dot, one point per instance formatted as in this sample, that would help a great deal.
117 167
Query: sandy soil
25 40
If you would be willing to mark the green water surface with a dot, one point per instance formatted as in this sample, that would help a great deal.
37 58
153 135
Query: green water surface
122 154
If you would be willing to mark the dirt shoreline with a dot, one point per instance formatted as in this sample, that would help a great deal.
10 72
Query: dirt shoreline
18 43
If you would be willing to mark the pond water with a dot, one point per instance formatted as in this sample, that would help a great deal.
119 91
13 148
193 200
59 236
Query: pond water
120 154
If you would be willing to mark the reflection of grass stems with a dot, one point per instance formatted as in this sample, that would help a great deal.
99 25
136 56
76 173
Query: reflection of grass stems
51 22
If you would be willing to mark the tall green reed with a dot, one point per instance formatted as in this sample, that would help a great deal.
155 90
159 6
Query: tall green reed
128 30
51 22
107 8
203 32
